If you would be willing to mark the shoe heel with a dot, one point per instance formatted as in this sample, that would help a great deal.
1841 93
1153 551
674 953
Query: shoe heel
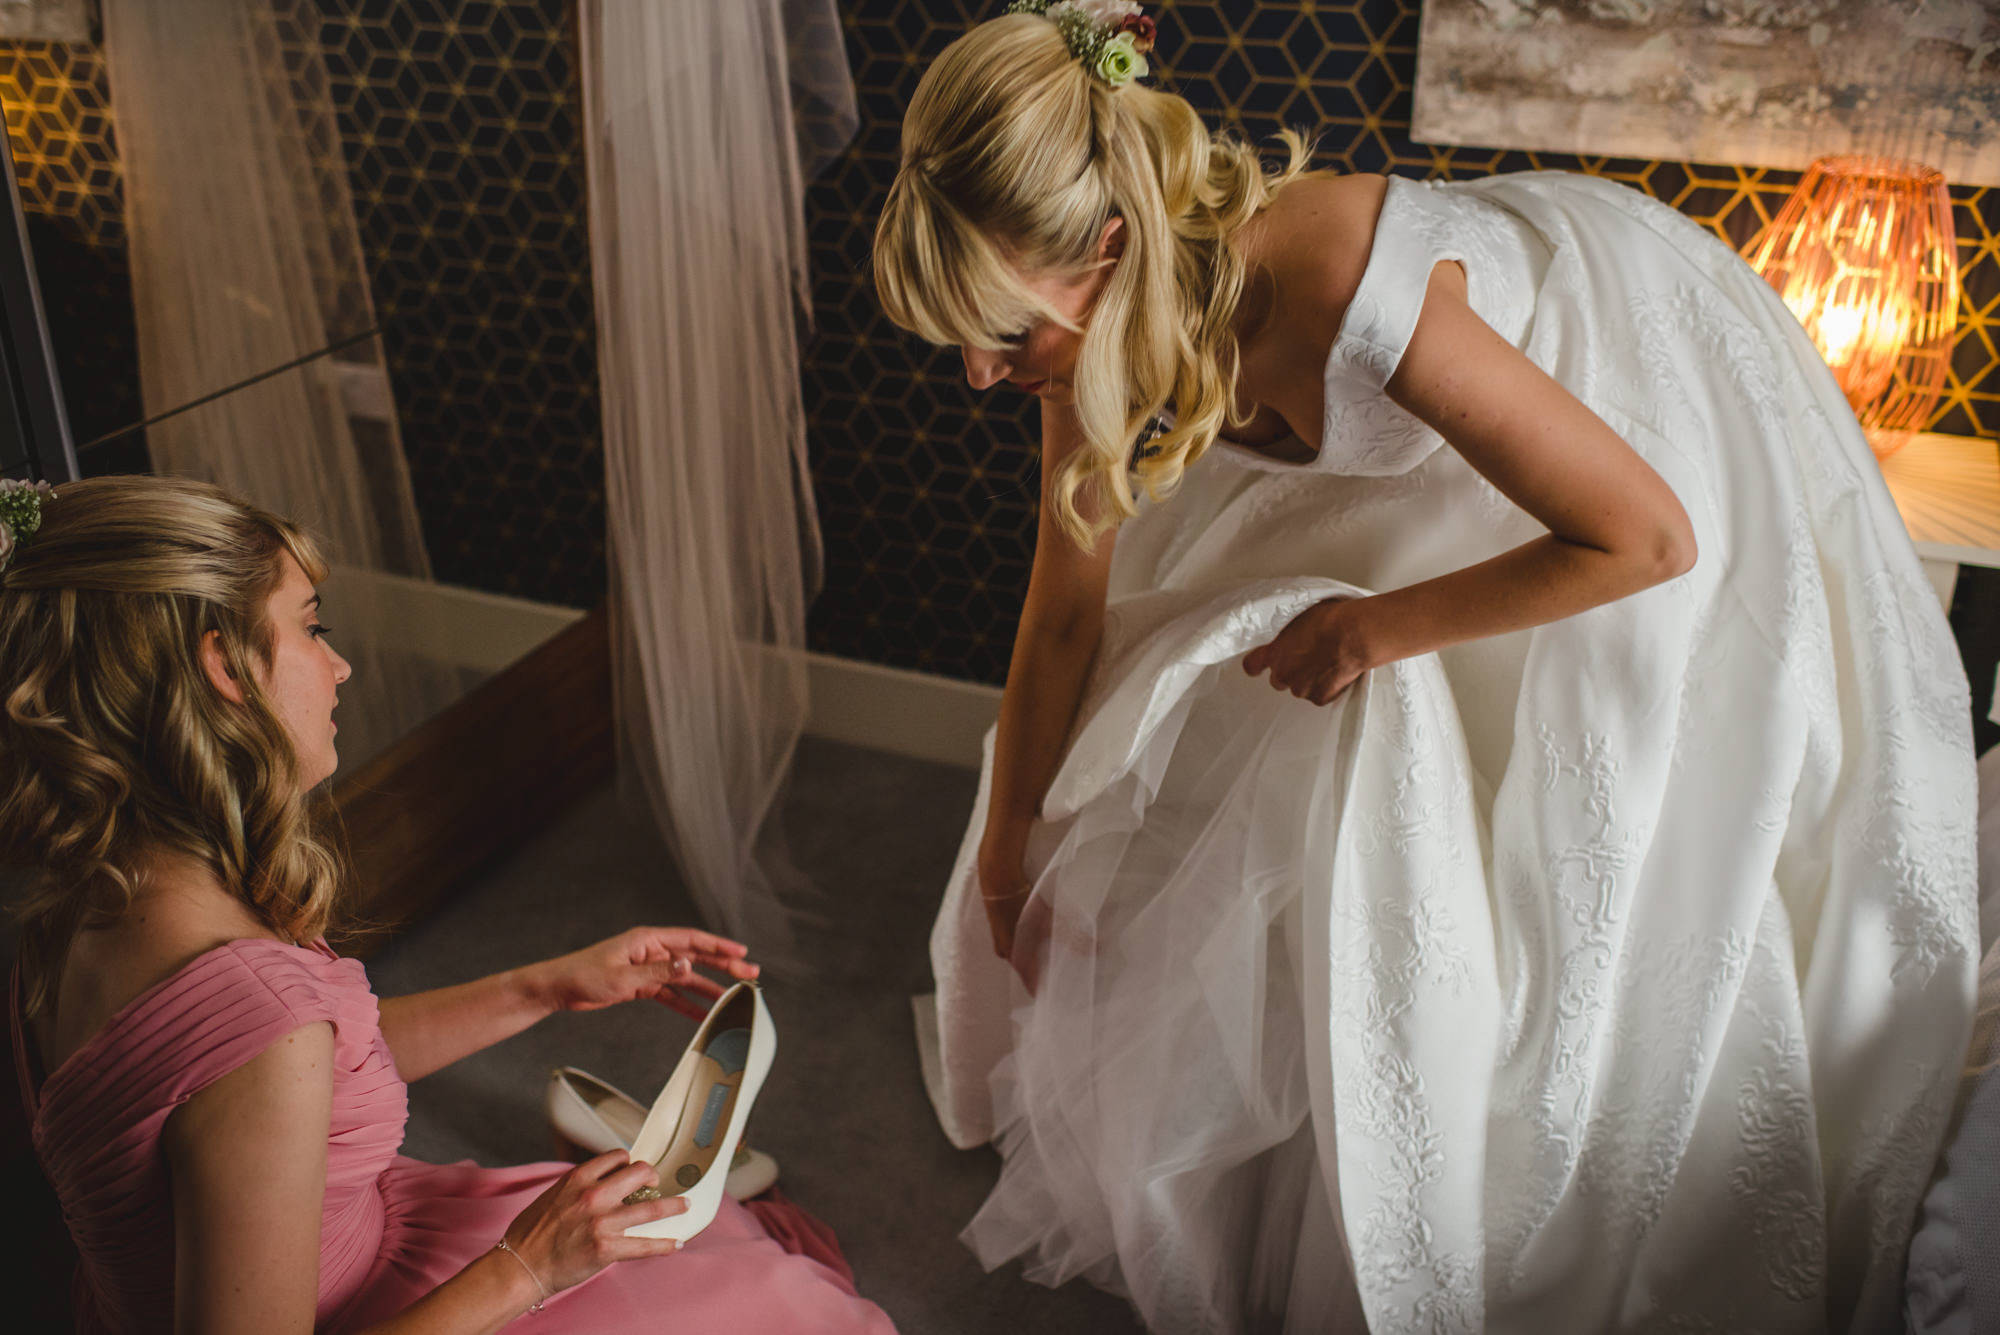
568 1150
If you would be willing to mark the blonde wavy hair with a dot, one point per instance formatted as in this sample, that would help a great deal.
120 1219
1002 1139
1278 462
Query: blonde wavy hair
114 745
1014 158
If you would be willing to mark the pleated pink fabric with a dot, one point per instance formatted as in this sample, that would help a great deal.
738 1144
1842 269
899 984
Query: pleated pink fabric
392 1228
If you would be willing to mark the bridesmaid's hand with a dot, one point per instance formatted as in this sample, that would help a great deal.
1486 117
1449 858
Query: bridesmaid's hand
644 964
577 1227
1316 657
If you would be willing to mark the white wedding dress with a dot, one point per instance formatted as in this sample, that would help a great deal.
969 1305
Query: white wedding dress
1608 976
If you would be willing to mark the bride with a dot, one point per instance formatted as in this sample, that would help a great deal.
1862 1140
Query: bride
1581 934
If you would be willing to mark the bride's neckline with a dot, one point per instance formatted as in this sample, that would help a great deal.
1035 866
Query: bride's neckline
1277 442
1266 428
1269 436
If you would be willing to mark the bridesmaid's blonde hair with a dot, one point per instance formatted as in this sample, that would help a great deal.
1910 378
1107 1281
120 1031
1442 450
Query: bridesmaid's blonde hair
114 743
1014 159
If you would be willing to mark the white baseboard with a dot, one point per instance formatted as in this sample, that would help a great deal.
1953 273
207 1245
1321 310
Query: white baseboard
902 712
863 704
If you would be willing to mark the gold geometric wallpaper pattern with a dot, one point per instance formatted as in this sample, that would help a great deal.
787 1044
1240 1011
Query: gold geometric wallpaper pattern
926 488
458 119
461 121
59 123
60 129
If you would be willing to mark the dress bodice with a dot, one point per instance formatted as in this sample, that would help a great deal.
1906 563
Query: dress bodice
1421 224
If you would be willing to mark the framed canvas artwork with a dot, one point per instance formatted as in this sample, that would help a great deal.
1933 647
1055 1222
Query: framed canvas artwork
1773 83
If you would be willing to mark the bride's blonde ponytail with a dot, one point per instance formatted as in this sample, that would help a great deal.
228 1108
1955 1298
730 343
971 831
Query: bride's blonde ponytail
1014 158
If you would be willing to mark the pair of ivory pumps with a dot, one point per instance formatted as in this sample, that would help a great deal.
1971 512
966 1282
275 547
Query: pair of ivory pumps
693 1134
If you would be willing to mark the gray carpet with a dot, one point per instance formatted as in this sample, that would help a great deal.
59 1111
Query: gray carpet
844 1110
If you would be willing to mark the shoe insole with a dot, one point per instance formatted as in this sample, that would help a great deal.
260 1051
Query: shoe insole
625 1119
705 1116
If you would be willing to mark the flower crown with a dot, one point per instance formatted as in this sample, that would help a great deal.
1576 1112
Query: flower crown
1110 37
20 514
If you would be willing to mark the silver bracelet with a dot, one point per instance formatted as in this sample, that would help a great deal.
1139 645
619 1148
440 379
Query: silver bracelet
537 1305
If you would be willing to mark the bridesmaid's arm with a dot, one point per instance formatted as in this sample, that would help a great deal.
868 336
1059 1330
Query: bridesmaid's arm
427 1031
247 1160
1615 526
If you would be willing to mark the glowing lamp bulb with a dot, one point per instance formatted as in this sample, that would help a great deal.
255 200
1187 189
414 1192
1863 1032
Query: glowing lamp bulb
1865 254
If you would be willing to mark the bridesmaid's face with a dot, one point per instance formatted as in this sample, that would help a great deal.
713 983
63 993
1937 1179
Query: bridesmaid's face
305 674
1041 359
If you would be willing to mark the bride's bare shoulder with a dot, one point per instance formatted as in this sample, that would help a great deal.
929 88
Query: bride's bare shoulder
1316 237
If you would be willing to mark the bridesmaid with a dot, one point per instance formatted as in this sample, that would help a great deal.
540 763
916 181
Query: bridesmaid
221 1097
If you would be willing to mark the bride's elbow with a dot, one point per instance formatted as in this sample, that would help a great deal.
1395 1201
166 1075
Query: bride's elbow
1672 552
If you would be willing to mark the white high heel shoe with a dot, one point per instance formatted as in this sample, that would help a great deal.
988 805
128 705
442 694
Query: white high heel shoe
695 1125
589 1116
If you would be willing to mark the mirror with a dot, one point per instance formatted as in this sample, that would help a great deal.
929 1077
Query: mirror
446 343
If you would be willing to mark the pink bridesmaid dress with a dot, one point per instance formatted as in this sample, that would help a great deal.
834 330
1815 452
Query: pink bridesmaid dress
392 1228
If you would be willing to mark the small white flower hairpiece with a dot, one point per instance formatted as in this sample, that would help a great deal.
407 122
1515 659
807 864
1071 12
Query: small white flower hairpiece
20 514
1110 37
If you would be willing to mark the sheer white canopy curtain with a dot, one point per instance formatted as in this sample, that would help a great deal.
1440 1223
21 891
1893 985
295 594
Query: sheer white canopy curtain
702 121
245 256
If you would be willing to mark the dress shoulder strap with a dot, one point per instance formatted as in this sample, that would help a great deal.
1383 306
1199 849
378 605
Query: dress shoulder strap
1412 235
1365 433
213 1015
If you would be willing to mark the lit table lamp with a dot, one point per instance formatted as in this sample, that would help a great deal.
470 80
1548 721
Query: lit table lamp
1866 255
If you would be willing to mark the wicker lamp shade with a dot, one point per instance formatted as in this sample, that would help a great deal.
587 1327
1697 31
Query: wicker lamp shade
1866 255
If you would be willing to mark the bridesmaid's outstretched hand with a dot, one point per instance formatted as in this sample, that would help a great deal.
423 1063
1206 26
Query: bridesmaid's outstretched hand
646 964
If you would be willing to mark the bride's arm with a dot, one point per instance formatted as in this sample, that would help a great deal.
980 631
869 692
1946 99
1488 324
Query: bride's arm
1615 526
246 1158
1062 620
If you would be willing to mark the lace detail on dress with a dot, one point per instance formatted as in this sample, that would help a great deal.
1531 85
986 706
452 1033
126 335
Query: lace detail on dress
1776 1181
1399 951
1892 1163
1373 435
1365 432
1646 1114
1581 892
